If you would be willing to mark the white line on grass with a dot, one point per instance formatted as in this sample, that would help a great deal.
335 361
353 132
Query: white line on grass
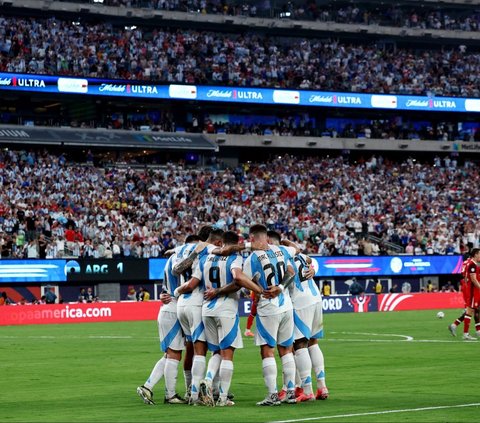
403 338
391 340
373 413
109 337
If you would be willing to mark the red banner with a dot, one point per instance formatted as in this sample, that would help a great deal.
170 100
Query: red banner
78 313
420 301
128 311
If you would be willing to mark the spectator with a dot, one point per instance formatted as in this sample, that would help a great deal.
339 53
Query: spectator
249 60
132 294
90 296
82 297
4 299
50 296
355 288
145 211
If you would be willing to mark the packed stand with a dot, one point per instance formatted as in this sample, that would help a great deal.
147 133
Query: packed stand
386 129
186 56
51 208
426 17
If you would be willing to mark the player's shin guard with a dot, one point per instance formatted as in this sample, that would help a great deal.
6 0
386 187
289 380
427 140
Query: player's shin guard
157 374
171 372
269 367
226 373
288 368
318 364
304 369
198 371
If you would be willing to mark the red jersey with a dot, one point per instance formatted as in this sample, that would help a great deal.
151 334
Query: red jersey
464 268
471 293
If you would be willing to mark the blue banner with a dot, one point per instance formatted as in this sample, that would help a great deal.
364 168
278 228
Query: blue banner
340 267
387 265
366 266
156 268
142 89
26 271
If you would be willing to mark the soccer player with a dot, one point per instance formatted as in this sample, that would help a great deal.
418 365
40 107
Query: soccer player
172 343
222 277
471 293
308 320
274 313
189 311
183 251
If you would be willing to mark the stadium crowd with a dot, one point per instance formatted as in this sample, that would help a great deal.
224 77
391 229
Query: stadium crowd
384 14
50 207
53 46
387 129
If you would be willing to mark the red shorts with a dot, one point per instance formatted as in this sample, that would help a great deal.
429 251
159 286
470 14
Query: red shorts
471 295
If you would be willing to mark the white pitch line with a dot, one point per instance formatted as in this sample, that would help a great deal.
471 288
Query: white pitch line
374 413
109 337
391 340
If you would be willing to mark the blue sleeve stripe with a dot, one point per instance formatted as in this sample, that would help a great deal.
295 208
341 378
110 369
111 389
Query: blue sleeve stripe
257 268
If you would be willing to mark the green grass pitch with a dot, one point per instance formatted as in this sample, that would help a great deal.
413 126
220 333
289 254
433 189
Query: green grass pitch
376 363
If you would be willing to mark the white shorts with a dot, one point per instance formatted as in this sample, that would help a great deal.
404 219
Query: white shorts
275 329
190 318
222 332
170 331
309 322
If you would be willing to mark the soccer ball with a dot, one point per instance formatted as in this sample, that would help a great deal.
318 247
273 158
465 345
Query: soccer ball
440 314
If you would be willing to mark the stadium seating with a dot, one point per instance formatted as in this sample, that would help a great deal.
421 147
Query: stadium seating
331 210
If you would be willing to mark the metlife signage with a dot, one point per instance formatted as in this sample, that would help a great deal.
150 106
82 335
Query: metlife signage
105 138
248 95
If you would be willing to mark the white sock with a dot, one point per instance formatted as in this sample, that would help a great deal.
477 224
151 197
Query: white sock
157 374
288 368
304 369
226 373
318 364
187 375
213 366
269 366
198 371
171 372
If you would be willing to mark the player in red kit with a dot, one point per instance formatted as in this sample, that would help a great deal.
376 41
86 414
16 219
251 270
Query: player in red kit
467 289
471 291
